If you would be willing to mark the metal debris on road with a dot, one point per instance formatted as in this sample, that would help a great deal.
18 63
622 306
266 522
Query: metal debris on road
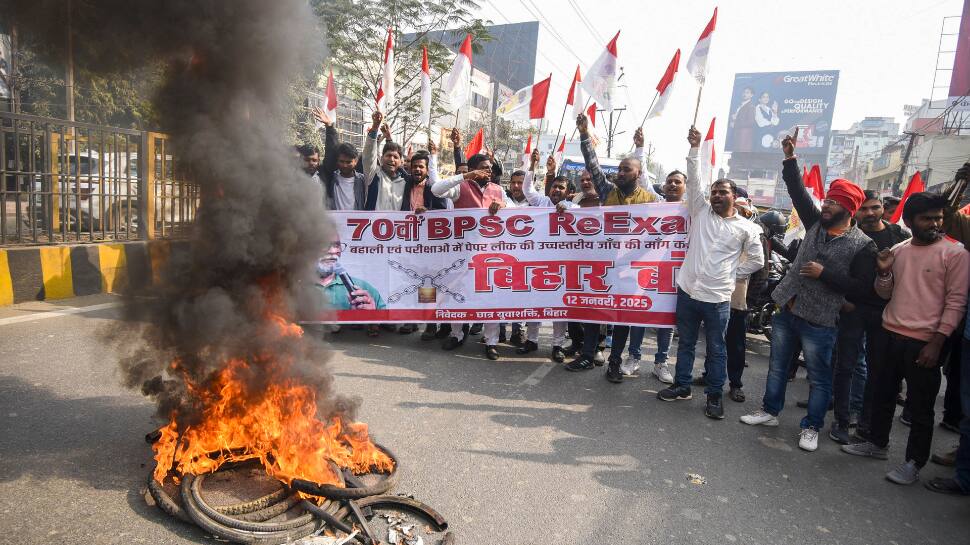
400 533
325 540
694 478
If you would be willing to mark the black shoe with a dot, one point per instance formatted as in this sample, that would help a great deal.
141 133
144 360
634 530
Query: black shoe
491 353
443 332
450 343
558 355
840 434
955 428
904 419
476 329
572 350
714 409
529 346
699 381
581 363
598 358
946 486
737 394
430 331
407 329
613 373
516 339
674 393
390 328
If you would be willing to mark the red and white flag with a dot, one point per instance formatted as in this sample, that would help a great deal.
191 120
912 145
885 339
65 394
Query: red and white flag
707 155
600 82
528 103
526 160
915 186
385 91
575 96
476 144
697 63
329 102
457 84
665 87
591 114
812 179
561 152
425 89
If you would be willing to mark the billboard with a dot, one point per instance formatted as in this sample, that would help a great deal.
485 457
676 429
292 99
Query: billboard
766 106
960 79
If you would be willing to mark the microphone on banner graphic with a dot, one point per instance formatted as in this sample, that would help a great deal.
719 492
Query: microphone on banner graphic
347 281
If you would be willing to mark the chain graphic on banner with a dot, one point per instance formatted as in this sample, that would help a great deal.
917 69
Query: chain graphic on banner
425 281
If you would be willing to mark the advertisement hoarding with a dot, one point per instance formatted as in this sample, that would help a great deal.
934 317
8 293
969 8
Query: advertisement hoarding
766 106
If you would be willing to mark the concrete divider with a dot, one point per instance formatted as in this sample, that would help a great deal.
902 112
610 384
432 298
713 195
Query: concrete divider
57 272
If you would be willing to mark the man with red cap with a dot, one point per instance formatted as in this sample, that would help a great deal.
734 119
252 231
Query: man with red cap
836 258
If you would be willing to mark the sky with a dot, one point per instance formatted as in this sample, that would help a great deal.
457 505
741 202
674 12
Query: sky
885 52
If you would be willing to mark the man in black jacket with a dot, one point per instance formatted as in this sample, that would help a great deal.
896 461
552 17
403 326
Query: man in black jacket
834 259
860 318
343 184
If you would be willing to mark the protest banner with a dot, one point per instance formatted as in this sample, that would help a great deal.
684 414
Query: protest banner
608 265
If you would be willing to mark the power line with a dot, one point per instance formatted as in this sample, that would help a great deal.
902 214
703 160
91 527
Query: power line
543 21
585 20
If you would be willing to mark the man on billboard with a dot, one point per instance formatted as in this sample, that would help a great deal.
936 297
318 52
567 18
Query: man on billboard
336 289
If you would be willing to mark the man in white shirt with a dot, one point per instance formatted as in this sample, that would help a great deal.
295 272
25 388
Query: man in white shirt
385 179
556 199
719 236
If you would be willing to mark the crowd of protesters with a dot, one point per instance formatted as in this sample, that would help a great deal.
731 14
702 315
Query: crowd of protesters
867 306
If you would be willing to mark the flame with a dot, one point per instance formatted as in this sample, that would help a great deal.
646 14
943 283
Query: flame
277 424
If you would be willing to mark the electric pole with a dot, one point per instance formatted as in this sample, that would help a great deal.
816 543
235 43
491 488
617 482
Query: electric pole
610 130
902 168
69 75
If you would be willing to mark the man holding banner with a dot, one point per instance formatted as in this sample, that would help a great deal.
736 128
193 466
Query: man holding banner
718 238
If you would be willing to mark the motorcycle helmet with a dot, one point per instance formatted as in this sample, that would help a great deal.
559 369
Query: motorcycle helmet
774 221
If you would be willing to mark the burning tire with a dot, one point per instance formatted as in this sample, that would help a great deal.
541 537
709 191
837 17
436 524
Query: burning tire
358 490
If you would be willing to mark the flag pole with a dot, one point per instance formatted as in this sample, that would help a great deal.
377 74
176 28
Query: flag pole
655 96
697 108
559 131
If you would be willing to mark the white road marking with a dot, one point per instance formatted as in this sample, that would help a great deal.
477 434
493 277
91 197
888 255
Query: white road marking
40 315
539 374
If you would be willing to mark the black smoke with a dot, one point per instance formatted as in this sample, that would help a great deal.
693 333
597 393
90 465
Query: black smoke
230 65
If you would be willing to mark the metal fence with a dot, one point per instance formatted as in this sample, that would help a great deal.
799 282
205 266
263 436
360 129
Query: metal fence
77 182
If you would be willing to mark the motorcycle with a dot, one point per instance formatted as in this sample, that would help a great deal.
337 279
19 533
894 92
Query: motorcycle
759 317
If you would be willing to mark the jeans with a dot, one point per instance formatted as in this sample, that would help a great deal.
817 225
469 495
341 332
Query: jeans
664 335
817 342
690 314
636 341
620 335
591 339
896 357
737 331
963 453
847 385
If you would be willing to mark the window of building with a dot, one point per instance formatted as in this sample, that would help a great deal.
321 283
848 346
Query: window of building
479 101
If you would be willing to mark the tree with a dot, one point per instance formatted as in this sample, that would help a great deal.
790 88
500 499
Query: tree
356 31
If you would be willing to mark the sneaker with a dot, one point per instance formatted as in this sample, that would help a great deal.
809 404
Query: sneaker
760 418
451 343
598 358
572 350
840 434
714 409
581 363
475 329
430 332
630 367
674 393
904 419
527 347
955 428
867 450
947 459
905 473
516 339
945 485
737 395
699 381
557 355
808 439
613 373
662 372
491 352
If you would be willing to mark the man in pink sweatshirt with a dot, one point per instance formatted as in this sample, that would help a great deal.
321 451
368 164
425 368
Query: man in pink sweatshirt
925 280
